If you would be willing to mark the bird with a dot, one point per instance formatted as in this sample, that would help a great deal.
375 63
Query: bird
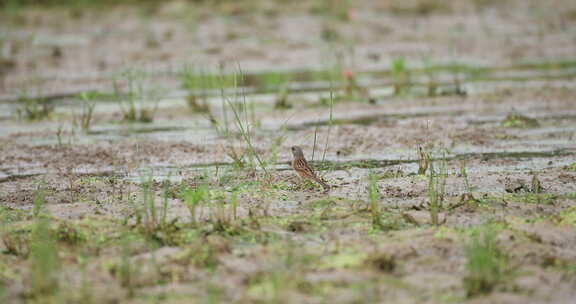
301 166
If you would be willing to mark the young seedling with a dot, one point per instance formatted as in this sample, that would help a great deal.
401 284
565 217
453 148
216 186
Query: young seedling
486 265
423 161
193 198
85 119
400 76
432 82
43 256
436 188
244 126
34 109
536 185
150 222
132 101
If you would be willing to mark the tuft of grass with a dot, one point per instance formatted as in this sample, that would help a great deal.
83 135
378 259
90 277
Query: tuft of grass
16 242
464 175
400 76
237 158
432 84
132 100
224 212
38 201
125 271
385 263
34 109
330 122
193 198
222 208
151 221
199 85
516 120
437 188
423 161
68 233
45 263
272 81
568 216
486 265
245 124
536 186
281 101
84 120
9 215
571 167
534 198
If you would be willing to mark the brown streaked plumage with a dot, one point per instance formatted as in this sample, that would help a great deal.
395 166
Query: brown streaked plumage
300 165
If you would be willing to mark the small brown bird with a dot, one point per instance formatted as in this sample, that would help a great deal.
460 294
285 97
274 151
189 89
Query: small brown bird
300 165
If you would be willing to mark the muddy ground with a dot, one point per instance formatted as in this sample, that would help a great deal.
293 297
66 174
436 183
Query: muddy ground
195 202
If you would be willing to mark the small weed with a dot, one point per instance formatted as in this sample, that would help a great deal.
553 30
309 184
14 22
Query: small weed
456 70
423 161
437 188
38 201
568 216
149 220
9 215
45 261
237 158
84 120
16 242
125 271
329 33
19 242
392 173
352 90
571 167
401 76
273 81
382 262
198 84
34 109
532 198
516 120
201 84
224 212
464 175
344 259
132 101
432 82
466 199
486 265
193 198
536 185
66 232
322 203
277 145
244 125
282 99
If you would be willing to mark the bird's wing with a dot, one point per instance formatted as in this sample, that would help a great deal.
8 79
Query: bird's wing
302 166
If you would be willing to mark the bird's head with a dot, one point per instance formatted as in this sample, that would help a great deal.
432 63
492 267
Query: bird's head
297 152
